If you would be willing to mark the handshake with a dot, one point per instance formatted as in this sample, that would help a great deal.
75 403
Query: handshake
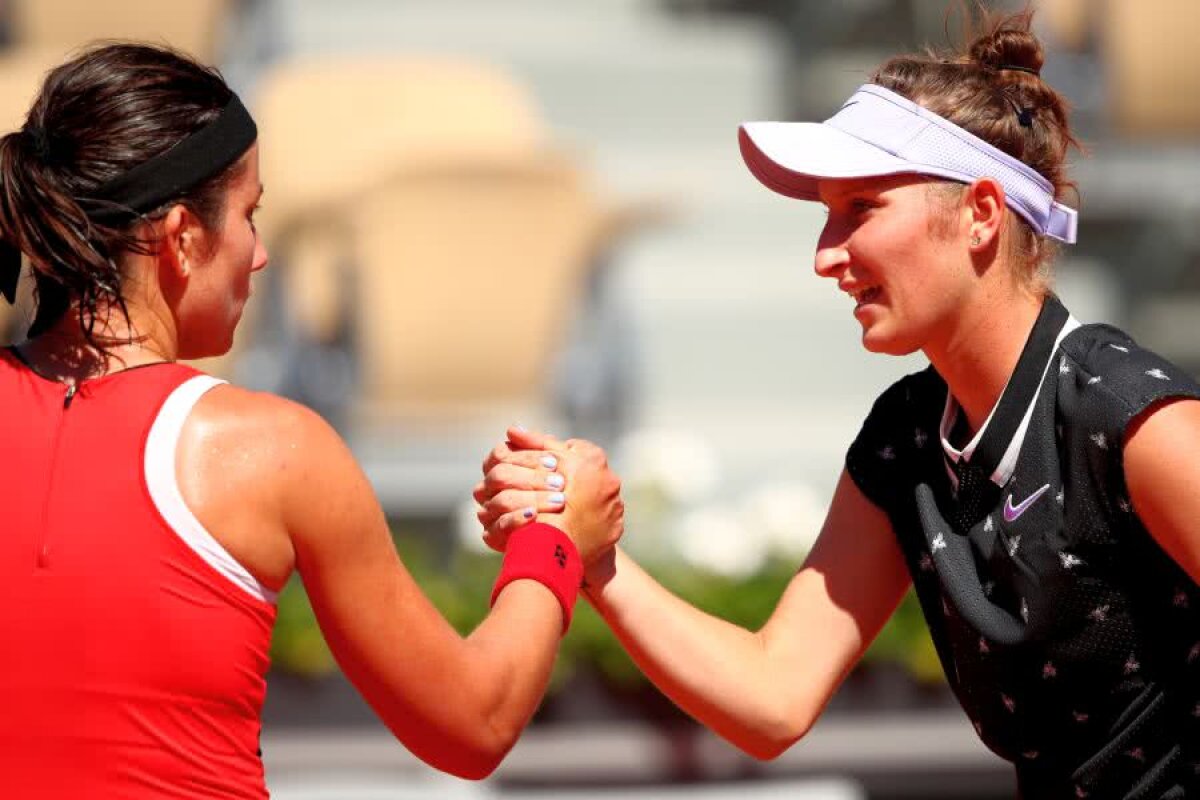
526 479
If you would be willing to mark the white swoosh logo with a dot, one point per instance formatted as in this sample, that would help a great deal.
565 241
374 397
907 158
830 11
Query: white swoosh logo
1011 512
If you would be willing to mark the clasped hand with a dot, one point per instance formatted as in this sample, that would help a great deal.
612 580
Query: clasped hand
566 484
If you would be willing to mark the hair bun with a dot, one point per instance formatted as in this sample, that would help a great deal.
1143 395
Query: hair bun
1007 46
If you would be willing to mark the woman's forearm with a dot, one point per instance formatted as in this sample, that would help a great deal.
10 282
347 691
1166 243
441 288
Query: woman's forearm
716 671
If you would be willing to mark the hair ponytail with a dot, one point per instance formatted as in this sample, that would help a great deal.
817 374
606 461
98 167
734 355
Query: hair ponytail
49 226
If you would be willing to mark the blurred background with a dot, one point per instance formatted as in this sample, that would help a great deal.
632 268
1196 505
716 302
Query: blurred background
488 211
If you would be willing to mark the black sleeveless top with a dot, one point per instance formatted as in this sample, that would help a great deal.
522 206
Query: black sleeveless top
1070 638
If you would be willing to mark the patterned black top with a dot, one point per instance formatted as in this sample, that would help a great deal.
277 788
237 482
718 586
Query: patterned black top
1069 637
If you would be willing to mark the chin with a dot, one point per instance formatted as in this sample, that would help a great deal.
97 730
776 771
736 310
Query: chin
876 341
214 348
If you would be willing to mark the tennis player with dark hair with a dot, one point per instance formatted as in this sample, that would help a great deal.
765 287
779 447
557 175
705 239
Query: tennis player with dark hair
1039 483
151 513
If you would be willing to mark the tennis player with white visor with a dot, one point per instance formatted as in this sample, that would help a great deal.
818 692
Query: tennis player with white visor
1037 484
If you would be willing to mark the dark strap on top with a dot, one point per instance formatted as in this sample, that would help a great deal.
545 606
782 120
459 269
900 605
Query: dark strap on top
1022 387
950 537
975 493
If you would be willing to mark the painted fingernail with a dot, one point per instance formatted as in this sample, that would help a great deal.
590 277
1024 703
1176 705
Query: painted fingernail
549 462
519 427
528 513
557 499
555 481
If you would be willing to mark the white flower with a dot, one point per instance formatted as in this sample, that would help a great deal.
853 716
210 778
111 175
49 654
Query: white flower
681 466
716 540
788 516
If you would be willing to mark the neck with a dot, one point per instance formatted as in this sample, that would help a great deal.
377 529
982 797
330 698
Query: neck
118 342
981 352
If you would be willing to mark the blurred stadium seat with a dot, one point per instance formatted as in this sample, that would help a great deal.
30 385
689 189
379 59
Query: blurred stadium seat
432 250
466 276
329 128
194 26
1154 66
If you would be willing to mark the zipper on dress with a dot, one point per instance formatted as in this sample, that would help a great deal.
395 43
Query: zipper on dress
43 550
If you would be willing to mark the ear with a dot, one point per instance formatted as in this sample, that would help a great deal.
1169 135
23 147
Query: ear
984 203
180 241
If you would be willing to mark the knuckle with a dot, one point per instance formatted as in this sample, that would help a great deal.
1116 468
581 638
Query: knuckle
495 507
498 478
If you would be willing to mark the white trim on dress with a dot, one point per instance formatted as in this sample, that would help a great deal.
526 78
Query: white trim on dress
163 485
1008 462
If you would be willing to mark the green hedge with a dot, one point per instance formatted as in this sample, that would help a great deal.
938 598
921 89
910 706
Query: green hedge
461 587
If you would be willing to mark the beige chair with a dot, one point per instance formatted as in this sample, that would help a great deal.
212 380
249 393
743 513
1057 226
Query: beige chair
1152 51
194 26
330 128
465 277
435 180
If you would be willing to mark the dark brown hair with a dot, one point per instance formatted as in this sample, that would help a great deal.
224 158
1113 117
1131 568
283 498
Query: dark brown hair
97 116
992 88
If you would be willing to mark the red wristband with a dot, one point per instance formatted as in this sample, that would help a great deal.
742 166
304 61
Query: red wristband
543 553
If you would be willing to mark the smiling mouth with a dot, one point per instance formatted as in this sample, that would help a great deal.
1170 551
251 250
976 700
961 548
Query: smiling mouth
866 296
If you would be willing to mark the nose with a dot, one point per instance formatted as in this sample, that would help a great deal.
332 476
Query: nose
831 256
260 255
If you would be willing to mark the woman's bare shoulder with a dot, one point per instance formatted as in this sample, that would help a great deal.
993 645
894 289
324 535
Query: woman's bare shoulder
237 430
231 410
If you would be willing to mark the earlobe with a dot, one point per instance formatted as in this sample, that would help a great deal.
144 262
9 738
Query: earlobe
181 254
986 201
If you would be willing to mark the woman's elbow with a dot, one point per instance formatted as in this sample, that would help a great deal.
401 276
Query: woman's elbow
472 761
470 751
472 769
769 749
771 740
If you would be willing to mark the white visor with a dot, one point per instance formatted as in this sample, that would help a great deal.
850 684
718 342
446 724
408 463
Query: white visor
878 132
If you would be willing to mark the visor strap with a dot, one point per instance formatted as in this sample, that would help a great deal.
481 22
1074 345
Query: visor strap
1062 222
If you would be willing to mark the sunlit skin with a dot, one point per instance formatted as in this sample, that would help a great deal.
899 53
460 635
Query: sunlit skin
939 284
877 246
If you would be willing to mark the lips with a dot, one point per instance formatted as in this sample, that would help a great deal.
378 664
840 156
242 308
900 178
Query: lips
864 296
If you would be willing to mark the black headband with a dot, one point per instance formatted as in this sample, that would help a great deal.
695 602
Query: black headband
166 176
181 167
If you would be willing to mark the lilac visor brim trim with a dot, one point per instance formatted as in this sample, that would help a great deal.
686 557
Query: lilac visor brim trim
878 132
